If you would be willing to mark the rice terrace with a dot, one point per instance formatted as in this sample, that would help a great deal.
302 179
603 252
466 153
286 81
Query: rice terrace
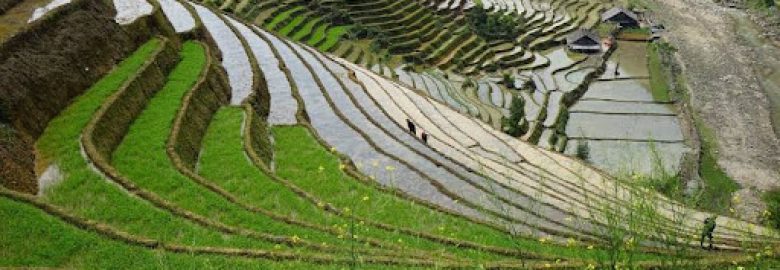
389 134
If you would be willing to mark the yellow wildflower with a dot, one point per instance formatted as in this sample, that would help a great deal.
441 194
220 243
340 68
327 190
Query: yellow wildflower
630 242
547 265
542 240
296 239
590 267
342 166
571 242
365 198
590 247
320 205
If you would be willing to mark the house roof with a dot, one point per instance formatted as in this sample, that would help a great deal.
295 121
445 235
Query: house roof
582 33
585 47
617 10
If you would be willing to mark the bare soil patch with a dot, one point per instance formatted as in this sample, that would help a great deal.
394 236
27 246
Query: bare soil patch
725 84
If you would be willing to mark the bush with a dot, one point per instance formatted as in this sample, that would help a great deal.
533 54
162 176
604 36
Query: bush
512 125
772 214
583 150
360 31
492 26
508 80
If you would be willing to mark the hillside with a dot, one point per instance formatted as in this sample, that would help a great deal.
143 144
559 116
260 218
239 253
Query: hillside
275 134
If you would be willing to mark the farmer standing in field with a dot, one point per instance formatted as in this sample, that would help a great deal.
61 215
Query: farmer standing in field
411 126
709 228
424 136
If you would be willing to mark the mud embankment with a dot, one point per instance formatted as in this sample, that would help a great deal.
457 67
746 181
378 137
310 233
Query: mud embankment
45 66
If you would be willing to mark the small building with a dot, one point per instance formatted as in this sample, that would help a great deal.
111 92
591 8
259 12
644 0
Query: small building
624 18
584 40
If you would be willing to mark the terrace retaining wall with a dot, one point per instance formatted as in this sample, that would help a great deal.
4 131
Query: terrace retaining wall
209 94
47 64
121 109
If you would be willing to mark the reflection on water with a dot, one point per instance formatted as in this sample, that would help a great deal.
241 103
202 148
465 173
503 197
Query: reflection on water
630 59
626 131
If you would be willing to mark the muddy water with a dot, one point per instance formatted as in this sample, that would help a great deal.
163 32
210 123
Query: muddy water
768 70
630 60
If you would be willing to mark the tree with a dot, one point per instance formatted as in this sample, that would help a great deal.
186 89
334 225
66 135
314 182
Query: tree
508 80
492 26
583 150
514 125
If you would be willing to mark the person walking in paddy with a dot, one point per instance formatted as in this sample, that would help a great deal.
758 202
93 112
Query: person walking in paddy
424 136
410 125
707 230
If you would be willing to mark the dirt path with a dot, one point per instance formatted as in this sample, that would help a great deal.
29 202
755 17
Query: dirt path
722 70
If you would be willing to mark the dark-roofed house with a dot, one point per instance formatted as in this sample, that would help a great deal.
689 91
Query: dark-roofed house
621 16
584 40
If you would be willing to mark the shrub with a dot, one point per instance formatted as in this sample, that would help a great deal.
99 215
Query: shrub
492 26
508 80
583 150
772 215
512 125
360 31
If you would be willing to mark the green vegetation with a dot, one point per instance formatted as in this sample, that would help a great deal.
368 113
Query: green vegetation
659 80
761 4
318 36
718 186
285 31
142 157
492 26
583 150
303 161
333 36
303 199
715 195
514 125
306 30
223 148
107 202
282 17
33 238
772 215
